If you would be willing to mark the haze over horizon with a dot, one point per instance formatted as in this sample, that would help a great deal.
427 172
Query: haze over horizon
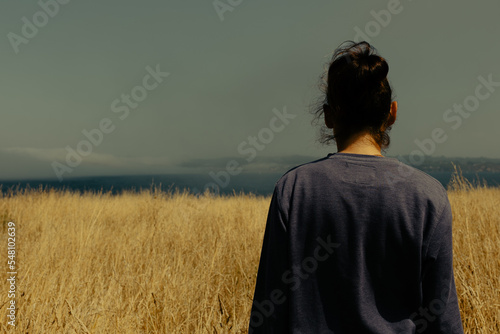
122 87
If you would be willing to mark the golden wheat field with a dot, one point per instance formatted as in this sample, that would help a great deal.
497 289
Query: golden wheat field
155 262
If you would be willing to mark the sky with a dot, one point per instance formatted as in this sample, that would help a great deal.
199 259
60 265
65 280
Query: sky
146 87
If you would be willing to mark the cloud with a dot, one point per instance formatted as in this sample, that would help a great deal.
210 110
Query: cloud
59 154
259 164
28 162
49 154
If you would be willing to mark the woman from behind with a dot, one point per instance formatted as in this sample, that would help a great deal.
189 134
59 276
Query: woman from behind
357 242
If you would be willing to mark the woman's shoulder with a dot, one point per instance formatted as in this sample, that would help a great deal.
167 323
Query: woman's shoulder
362 171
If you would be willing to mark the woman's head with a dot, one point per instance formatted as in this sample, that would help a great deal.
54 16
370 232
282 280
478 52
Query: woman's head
358 96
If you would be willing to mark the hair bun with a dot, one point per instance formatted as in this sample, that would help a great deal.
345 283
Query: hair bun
376 69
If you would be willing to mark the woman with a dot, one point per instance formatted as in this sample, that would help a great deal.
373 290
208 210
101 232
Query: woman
357 242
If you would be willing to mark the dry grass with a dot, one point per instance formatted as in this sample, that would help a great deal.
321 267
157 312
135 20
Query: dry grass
476 247
159 263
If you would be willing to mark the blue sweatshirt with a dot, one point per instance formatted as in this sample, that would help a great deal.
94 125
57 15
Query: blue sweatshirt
357 244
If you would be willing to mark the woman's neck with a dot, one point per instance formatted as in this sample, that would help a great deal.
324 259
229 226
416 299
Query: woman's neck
362 143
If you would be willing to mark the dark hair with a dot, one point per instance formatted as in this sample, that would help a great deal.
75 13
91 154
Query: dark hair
358 92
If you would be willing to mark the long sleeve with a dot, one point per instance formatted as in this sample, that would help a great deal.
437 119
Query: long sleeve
439 312
270 303
344 252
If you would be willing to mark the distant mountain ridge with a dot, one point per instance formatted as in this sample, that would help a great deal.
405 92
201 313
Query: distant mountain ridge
445 164
280 164
428 164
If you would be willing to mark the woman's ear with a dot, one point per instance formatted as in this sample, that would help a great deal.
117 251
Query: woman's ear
393 113
327 111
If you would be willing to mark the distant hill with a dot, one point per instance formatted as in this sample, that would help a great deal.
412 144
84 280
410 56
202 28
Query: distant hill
427 164
445 164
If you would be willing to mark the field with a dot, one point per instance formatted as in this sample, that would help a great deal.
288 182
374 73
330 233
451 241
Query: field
153 262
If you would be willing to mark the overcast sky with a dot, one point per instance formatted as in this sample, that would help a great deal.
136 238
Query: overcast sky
160 86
